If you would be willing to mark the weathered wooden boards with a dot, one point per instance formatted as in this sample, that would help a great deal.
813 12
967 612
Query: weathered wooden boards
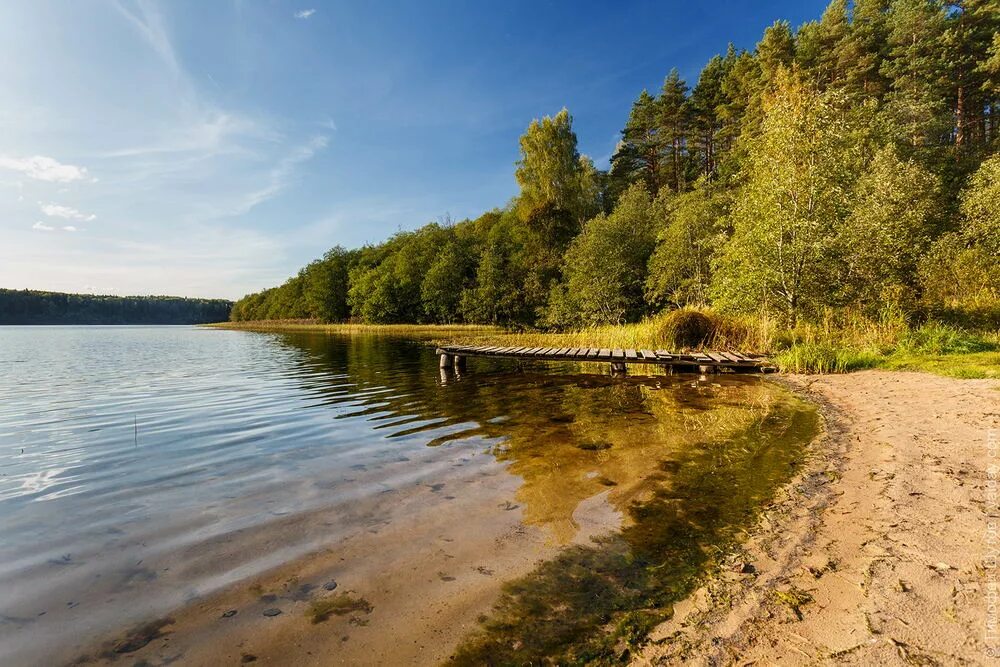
618 358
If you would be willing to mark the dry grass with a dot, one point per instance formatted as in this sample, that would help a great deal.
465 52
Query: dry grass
307 326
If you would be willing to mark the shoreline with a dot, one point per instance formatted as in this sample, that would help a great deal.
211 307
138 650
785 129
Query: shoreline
875 552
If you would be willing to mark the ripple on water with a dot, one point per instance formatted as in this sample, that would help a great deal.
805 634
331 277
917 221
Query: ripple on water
141 464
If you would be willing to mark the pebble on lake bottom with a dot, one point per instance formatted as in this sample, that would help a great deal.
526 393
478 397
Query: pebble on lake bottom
273 611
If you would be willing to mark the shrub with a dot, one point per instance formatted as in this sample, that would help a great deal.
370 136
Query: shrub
686 328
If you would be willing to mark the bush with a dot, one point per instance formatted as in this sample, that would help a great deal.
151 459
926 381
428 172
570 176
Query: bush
686 328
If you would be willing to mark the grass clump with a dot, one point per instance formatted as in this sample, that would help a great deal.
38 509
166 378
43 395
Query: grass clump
686 328
825 358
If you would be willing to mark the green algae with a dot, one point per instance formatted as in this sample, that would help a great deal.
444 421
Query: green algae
595 604
340 604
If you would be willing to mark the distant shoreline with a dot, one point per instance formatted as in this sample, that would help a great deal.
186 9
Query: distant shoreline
36 307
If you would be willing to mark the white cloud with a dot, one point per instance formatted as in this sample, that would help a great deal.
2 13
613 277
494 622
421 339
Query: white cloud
304 13
43 168
67 212
42 227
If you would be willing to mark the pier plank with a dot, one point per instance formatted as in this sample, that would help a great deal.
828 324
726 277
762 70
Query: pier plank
714 359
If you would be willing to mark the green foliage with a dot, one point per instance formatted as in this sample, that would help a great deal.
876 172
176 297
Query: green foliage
551 173
797 180
605 266
887 231
981 208
956 275
325 285
680 269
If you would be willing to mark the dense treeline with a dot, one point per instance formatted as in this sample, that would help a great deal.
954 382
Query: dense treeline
33 307
849 164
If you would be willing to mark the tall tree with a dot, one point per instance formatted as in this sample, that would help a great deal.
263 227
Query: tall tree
680 269
864 49
798 170
916 69
605 266
325 285
888 230
818 45
775 50
971 27
706 102
637 156
673 115
552 173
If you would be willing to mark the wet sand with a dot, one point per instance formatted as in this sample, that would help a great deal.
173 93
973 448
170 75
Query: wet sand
404 591
879 552
391 587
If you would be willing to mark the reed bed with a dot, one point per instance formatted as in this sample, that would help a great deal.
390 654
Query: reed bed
839 342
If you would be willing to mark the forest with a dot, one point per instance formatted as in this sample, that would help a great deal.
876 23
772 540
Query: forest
848 165
35 307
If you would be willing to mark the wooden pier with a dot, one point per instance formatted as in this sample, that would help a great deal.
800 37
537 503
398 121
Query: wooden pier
695 362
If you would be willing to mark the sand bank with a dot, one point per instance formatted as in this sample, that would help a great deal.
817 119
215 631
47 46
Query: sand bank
881 552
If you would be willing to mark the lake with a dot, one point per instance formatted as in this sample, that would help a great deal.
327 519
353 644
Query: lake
202 496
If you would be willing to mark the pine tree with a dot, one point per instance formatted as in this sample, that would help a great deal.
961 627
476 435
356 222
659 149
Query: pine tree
706 101
916 70
673 115
864 50
638 155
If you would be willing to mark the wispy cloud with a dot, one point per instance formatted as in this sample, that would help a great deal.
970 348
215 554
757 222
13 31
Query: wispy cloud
42 227
67 212
148 22
44 168
304 13
280 176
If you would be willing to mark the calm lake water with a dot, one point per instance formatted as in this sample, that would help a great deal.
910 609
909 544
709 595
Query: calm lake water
144 468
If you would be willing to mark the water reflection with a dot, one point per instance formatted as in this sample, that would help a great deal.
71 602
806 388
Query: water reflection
569 436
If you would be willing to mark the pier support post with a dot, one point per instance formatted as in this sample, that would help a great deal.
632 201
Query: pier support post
459 361
445 361
618 368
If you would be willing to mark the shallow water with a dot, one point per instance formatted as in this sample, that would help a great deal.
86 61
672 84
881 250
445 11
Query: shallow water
142 468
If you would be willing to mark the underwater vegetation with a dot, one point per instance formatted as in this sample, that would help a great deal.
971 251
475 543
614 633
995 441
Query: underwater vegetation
596 603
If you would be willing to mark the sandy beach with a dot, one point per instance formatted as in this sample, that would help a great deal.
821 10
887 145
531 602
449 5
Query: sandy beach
879 552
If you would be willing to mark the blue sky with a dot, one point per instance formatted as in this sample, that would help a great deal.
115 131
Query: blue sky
212 148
